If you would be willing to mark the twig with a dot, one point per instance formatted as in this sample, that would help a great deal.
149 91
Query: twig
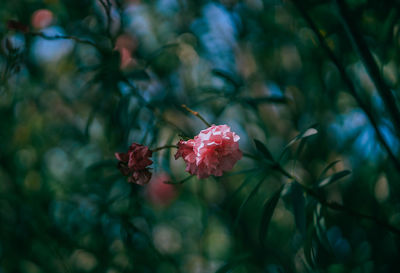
347 81
366 57
339 207
196 114
164 147
66 37
179 182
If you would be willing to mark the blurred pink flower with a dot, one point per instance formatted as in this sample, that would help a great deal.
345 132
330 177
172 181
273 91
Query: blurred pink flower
42 18
134 164
159 193
212 152
126 45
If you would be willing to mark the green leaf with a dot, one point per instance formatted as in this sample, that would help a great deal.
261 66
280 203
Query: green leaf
261 100
303 135
245 182
330 165
309 248
154 55
180 181
228 267
307 133
320 229
261 148
252 193
226 76
299 206
333 178
268 211
138 74
110 163
166 158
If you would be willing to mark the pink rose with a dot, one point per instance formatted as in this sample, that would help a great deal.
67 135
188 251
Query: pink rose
159 193
214 151
134 164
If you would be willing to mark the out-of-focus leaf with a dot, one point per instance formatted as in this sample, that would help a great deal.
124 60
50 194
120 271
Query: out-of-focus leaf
252 193
102 164
138 75
180 181
303 135
166 159
227 76
330 165
333 178
261 100
339 245
228 267
320 229
268 211
242 186
299 206
153 56
307 133
261 148
309 247
242 172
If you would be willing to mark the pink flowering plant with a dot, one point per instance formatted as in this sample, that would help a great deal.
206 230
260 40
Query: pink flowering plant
199 136
213 151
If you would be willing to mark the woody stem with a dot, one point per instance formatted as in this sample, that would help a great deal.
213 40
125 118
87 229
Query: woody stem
196 114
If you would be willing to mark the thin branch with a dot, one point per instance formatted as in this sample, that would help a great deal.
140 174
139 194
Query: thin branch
339 207
370 64
179 182
347 81
196 114
64 37
164 147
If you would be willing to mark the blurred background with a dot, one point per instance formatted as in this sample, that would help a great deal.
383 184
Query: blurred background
83 79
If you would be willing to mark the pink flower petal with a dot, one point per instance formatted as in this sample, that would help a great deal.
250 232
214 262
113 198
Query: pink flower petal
212 152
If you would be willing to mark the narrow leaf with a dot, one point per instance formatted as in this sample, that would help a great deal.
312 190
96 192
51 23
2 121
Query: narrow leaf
245 182
268 211
228 267
306 133
333 178
327 168
180 181
261 100
308 247
226 76
252 193
299 206
102 164
261 148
